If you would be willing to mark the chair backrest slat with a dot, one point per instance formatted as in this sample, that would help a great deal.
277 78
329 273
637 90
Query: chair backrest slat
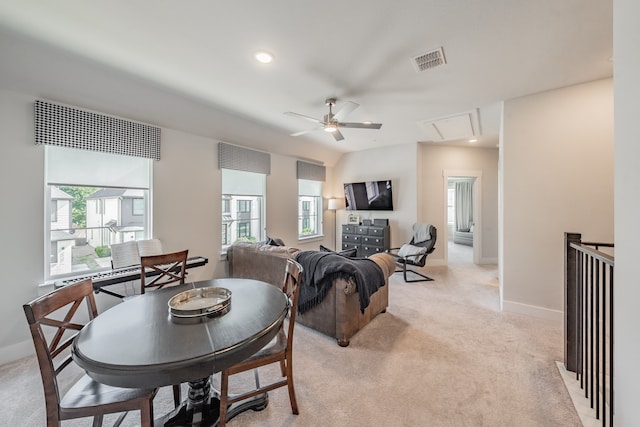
293 273
165 268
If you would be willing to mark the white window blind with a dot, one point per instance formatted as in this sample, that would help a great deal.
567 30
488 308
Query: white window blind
91 168
309 188
243 183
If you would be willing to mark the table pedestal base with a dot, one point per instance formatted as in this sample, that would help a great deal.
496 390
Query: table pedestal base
202 407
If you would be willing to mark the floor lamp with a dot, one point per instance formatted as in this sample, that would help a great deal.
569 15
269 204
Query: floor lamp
334 205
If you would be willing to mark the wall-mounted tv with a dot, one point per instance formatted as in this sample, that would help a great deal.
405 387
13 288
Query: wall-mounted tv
369 196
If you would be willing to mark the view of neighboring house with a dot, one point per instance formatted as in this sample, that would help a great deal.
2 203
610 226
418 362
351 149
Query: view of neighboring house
111 215
241 219
115 215
61 226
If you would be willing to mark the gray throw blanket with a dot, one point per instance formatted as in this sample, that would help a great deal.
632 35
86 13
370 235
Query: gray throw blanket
322 268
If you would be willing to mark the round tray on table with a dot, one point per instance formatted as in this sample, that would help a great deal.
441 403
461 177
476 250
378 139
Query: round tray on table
199 305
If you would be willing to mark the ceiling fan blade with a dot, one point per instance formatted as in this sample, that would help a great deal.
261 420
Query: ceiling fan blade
337 135
302 116
304 131
345 110
360 125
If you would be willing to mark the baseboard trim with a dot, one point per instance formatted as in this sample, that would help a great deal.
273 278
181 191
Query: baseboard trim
13 352
532 310
582 404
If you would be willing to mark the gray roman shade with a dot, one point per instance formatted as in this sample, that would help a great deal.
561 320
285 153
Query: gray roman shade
311 171
243 159
65 126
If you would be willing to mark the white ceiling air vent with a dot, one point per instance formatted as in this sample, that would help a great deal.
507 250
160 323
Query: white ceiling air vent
429 60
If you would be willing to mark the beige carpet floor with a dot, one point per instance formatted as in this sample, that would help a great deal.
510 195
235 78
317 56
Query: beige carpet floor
442 355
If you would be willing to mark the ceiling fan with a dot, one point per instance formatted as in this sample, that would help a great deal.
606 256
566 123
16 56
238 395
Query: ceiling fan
332 121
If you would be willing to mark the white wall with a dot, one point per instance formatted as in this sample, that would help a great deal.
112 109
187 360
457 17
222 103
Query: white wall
22 225
434 160
282 205
557 177
416 171
398 163
186 211
627 211
186 199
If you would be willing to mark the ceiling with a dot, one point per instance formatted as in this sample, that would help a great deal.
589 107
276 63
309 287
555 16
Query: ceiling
190 65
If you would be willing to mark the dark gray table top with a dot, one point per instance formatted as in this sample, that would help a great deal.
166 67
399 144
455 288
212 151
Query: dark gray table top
136 344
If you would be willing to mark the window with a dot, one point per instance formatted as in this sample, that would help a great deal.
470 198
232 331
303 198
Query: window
243 201
244 230
225 234
244 206
54 210
451 207
137 206
99 199
309 208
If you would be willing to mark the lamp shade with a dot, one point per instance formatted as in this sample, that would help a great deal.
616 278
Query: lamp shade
333 204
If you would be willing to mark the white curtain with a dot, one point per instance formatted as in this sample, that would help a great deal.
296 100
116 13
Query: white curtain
464 205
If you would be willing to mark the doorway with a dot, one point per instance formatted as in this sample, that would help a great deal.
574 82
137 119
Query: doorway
463 216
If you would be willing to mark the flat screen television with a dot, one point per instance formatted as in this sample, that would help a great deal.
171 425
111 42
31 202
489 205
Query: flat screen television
368 196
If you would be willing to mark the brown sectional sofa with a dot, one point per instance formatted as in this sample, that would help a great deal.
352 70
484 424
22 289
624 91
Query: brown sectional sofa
338 315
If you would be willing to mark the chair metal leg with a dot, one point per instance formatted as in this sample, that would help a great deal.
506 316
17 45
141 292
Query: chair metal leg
404 274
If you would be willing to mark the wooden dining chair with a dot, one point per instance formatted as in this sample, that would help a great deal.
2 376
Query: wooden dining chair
54 323
165 269
279 351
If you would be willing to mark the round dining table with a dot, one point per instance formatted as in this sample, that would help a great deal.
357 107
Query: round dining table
137 344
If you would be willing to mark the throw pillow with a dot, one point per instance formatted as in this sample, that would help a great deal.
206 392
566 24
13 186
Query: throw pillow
349 253
271 242
410 250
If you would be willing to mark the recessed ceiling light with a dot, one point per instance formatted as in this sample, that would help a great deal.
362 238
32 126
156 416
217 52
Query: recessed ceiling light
263 57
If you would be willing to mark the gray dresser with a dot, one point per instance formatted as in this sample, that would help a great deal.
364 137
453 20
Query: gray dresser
367 239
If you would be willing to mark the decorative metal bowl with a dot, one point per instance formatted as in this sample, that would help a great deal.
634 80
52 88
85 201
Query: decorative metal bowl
198 305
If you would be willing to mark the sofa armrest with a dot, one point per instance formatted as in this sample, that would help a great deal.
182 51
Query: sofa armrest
386 262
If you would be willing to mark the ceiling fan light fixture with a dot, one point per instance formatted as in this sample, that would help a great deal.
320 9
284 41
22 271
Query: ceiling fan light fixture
330 127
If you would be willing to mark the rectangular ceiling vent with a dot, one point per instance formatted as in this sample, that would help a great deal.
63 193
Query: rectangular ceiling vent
429 60
452 128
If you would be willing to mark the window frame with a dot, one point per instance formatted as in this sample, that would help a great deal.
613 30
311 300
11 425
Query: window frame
55 160
245 193
310 209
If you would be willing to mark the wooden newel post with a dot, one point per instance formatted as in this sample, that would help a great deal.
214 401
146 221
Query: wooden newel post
572 323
